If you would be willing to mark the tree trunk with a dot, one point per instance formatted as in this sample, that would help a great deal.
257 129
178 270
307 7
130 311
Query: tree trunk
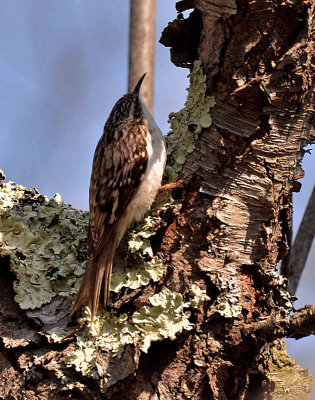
198 310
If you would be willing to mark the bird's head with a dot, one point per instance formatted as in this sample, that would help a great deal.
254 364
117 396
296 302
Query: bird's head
135 108
127 107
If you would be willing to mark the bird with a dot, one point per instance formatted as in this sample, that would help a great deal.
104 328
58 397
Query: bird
127 172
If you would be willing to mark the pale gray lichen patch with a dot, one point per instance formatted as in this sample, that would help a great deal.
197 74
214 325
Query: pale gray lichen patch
46 243
136 265
197 296
228 303
187 123
165 317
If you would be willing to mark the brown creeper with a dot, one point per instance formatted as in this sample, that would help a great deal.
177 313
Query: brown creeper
126 175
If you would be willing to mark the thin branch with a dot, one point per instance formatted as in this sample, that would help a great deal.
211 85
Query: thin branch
289 237
301 247
300 324
142 48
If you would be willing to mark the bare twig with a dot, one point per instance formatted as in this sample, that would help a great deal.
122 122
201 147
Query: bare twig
299 325
301 247
286 259
142 48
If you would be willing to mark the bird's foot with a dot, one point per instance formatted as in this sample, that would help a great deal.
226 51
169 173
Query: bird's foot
170 186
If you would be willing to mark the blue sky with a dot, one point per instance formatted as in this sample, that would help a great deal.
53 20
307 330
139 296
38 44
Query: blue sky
64 65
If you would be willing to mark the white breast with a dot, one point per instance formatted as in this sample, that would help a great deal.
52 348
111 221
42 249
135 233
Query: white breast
152 178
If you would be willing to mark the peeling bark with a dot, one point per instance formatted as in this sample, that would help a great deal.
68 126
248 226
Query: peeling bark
223 307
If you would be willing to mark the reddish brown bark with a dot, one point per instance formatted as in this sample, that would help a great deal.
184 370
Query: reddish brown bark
225 232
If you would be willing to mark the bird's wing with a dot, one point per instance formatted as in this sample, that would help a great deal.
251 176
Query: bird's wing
120 161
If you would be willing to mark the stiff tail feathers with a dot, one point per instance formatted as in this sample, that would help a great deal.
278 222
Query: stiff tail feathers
95 285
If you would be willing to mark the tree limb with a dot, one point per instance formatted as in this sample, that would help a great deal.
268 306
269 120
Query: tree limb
299 325
301 246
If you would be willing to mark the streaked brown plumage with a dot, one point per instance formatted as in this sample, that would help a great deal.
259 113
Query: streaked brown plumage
126 174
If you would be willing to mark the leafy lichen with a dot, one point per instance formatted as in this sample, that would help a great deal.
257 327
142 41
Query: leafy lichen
108 334
164 318
45 239
187 123
135 265
197 296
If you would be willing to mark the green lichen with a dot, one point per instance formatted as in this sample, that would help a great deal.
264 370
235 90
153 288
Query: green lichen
197 296
291 381
45 240
165 317
187 123
135 265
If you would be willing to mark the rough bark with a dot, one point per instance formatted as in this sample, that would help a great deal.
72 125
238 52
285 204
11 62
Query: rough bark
200 326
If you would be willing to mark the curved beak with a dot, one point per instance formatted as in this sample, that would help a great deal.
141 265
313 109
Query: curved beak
136 90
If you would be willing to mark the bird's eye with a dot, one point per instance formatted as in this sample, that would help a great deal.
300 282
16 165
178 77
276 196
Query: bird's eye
137 112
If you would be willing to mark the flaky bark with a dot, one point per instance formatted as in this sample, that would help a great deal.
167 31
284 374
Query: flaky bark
210 323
